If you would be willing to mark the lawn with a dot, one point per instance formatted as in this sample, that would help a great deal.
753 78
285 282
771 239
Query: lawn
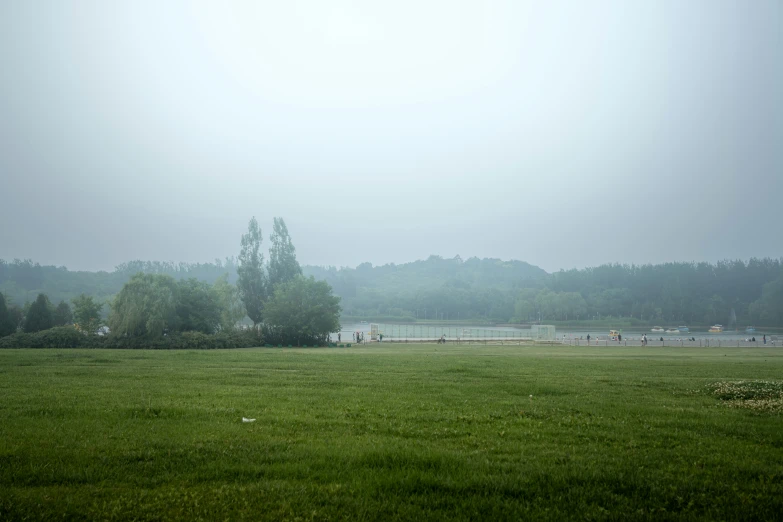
392 432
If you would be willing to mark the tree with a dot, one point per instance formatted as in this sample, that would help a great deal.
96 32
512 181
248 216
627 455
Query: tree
231 308
62 314
252 283
302 311
283 266
197 307
7 326
39 317
86 313
145 307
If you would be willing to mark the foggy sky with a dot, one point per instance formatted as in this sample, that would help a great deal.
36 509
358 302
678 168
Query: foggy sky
565 134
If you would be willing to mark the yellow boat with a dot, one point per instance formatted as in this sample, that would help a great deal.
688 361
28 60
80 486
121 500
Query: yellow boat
613 334
718 328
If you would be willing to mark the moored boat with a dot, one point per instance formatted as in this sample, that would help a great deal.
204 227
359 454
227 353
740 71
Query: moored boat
750 329
683 329
672 330
657 329
717 328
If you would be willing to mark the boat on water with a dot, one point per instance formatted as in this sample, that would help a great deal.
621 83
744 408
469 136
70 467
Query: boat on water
614 335
672 330
750 329
717 328
683 329
657 329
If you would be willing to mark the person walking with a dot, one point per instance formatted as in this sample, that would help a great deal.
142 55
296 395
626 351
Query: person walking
764 338
338 337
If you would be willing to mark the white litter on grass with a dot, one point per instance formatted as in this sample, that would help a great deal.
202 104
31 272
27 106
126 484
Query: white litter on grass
245 419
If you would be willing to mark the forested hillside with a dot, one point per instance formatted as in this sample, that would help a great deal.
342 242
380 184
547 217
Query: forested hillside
479 289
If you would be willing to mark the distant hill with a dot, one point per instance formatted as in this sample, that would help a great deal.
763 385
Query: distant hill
435 287
21 281
492 290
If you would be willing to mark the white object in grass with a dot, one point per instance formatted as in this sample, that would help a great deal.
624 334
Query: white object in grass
245 419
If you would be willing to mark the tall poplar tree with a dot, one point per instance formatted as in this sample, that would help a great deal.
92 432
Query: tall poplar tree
283 266
252 282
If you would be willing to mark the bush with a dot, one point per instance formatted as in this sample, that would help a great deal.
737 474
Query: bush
59 337
70 337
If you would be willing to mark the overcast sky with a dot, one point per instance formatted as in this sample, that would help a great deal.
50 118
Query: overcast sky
565 134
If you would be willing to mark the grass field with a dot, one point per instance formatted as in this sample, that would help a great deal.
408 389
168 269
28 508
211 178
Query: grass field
397 432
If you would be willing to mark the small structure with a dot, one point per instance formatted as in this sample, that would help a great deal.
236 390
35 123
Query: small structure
374 331
543 332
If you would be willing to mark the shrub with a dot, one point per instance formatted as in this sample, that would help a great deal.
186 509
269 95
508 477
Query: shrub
70 337
59 337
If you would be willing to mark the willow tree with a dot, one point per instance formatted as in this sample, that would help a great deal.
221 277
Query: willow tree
145 307
231 308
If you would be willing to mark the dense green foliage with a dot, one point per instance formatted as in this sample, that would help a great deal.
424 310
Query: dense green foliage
197 307
39 316
62 314
70 337
87 313
302 311
232 311
151 305
145 307
387 433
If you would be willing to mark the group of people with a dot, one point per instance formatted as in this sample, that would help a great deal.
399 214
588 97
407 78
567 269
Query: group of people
643 339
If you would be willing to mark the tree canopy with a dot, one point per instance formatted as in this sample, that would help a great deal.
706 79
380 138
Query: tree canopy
62 314
302 311
145 307
39 316
87 313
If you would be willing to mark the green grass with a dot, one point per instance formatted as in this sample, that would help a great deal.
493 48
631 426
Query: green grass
392 432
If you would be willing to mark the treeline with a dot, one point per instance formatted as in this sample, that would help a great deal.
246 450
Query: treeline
497 291
154 309
685 293
22 280
492 290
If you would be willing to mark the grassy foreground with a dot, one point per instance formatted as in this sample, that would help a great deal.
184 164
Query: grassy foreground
396 432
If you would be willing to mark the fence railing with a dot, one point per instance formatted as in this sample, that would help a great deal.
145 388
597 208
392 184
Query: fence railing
705 343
